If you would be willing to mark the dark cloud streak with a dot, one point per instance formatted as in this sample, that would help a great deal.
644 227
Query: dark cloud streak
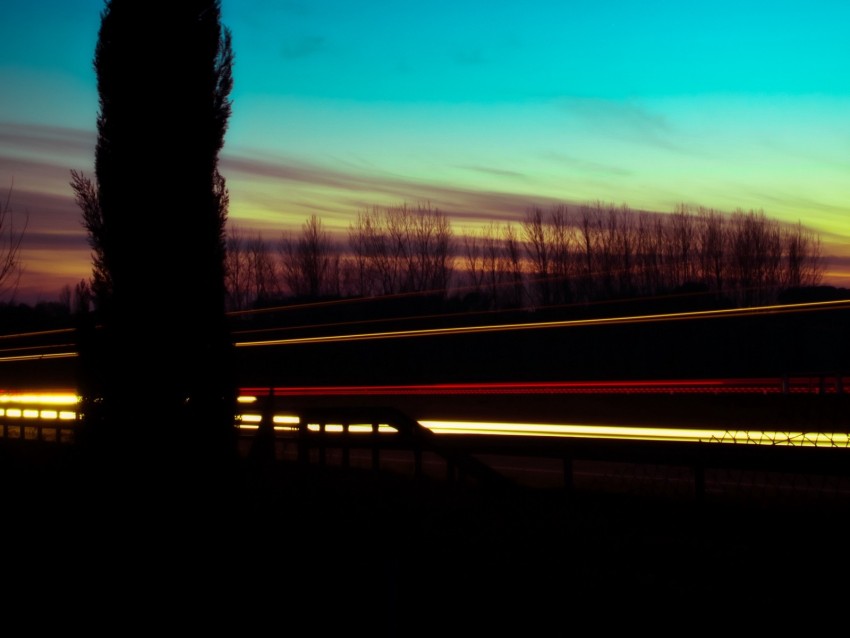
458 202
302 47
51 139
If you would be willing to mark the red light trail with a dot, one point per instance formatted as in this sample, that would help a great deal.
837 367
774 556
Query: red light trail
793 385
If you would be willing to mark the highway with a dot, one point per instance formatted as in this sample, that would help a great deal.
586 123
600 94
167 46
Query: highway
573 380
789 366
632 435
284 406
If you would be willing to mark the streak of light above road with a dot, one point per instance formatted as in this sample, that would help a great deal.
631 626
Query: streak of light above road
567 323
841 304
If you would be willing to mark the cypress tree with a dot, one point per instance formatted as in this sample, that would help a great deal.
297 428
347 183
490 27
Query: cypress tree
164 77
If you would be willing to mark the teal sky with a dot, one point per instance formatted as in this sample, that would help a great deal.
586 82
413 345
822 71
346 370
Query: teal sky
481 108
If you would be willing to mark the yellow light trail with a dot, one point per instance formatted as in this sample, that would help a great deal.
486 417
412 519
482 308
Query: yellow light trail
46 398
41 333
396 319
796 438
35 357
673 316
39 405
280 422
290 423
23 348
625 433
337 428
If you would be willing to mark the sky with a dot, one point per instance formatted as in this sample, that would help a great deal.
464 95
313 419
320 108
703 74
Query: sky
482 109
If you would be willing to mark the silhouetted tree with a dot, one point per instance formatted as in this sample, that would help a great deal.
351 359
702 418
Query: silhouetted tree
431 254
490 270
563 253
236 271
252 277
10 247
516 277
680 244
588 223
711 251
86 197
361 272
164 79
311 261
589 253
400 249
803 261
755 256
538 245
76 301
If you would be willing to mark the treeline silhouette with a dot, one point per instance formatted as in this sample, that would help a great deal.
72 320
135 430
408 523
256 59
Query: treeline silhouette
402 260
564 255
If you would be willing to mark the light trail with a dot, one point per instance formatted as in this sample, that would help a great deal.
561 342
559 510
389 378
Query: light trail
625 433
794 438
360 322
41 333
789 438
458 290
37 357
43 347
46 406
409 318
43 406
567 323
42 398
790 385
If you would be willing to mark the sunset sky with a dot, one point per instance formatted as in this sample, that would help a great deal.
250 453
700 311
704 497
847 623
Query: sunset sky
481 108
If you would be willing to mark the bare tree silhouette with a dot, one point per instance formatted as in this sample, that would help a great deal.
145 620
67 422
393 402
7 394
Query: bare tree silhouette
10 247
164 79
310 261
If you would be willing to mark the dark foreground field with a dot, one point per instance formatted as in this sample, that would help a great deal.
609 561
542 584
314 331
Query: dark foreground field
310 551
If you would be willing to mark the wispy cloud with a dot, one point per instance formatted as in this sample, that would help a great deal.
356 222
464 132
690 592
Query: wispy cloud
354 190
498 172
45 139
622 119
586 166
302 47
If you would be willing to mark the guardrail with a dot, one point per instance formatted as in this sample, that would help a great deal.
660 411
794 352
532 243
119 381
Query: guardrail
332 436
388 439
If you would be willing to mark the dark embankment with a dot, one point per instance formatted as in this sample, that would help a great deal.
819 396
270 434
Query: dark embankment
329 550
